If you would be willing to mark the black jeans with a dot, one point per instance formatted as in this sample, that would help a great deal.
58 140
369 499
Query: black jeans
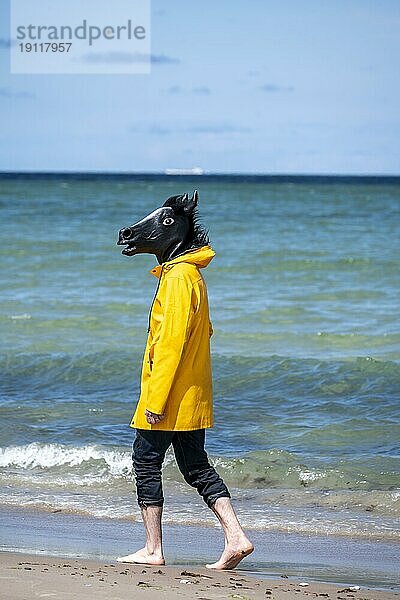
148 454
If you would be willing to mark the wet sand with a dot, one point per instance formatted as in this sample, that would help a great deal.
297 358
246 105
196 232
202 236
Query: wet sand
27 576
55 555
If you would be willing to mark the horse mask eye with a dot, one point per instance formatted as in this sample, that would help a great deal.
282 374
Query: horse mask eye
168 221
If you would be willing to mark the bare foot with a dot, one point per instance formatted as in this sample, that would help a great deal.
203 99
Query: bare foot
231 556
143 557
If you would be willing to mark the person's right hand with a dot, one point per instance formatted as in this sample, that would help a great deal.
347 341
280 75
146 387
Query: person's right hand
153 418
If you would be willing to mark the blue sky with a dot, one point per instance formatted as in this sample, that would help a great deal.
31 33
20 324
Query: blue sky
263 86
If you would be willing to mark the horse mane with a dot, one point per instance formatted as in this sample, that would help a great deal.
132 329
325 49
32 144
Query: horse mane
198 234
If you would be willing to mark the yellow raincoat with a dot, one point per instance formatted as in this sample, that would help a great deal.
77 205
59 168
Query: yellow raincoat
176 371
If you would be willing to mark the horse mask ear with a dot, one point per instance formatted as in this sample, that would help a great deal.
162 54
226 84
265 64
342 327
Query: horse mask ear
189 204
183 204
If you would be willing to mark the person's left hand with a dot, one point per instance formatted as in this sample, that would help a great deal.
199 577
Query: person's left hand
153 418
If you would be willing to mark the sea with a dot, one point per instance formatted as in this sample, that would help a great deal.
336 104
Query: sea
304 295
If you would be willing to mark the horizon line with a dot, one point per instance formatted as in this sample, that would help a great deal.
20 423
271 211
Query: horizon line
186 174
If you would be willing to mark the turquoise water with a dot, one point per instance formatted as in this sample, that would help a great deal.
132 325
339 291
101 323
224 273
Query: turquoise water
304 294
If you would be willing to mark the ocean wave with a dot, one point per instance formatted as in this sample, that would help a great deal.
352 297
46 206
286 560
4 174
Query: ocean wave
50 457
258 470
57 370
110 367
281 469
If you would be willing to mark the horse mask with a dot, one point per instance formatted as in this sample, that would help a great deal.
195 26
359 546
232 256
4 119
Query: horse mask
167 232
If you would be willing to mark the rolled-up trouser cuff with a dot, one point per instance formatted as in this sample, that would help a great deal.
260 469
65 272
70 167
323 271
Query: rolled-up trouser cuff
147 503
211 500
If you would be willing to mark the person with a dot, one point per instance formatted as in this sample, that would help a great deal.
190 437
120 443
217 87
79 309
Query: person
175 405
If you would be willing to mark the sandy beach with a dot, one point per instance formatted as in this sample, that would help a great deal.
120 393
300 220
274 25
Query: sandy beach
27 576
52 554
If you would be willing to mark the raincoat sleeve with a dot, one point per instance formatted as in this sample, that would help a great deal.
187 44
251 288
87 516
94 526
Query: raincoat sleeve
170 345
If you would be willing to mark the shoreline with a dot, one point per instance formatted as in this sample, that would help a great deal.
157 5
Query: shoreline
199 522
45 576
344 562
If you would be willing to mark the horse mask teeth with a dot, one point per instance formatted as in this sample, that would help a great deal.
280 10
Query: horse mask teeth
129 251
169 230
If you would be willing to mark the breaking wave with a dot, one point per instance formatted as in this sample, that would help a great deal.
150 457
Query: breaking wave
258 470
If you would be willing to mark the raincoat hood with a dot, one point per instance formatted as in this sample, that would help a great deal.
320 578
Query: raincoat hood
200 257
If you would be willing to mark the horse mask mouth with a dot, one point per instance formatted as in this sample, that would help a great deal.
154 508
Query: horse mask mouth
130 248
124 239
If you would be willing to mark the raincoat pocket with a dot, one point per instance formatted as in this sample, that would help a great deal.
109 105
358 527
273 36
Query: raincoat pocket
151 357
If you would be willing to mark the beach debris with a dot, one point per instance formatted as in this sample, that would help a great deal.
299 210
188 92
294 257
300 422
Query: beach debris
159 572
285 576
303 584
190 574
351 588
268 592
186 581
240 586
143 584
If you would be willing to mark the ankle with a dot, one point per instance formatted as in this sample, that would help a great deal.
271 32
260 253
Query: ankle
235 535
154 551
239 540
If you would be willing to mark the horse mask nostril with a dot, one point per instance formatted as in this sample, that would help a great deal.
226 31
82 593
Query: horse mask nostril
126 233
